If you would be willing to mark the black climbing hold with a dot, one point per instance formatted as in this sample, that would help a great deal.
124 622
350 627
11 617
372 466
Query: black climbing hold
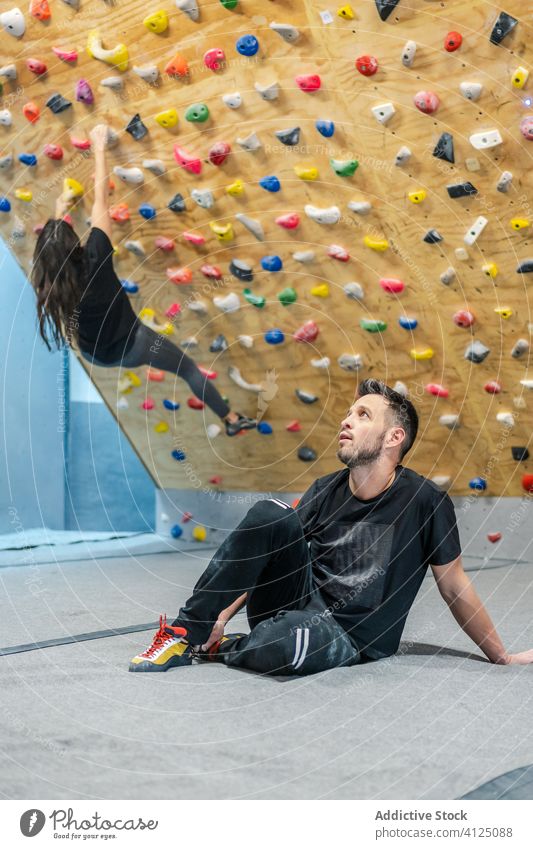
502 27
432 237
519 452
386 8
461 190
306 397
525 267
306 454
57 103
444 148
177 204
241 270
289 137
136 128
218 344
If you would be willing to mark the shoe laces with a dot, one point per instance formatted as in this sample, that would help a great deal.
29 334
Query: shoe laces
161 637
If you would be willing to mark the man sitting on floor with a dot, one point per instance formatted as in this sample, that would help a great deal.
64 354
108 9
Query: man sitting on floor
331 582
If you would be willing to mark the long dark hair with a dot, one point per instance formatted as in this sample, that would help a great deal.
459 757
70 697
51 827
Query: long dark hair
58 276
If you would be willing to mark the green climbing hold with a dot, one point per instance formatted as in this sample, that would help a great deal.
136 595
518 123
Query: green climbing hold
373 325
229 4
255 300
344 167
288 296
197 113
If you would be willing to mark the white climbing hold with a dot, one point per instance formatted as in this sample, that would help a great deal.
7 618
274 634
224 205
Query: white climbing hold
354 291
245 341
189 8
505 181
148 74
255 227
227 303
361 207
6 119
322 363
448 276
461 254
203 197
450 420
129 175
506 419
488 139
6 161
19 228
268 92
401 388
350 362
156 166
408 53
403 156
520 347
233 100
323 215
304 256
13 22
383 113
237 378
286 31
471 91
213 430
443 481
250 142
189 342
198 306
122 403
527 383
135 247
115 83
475 230
9 72
472 163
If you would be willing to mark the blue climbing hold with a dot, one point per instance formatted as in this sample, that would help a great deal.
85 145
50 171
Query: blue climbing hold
129 286
178 455
274 336
270 183
407 323
272 263
264 427
170 405
325 128
5 206
247 45
478 483
147 211
176 531
28 158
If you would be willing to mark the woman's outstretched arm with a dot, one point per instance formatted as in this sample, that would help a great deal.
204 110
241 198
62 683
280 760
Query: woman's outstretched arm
100 213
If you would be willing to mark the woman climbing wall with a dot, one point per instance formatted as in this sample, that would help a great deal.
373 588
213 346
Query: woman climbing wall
80 300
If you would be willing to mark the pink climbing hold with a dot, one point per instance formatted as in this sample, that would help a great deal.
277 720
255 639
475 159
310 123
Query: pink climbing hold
65 55
366 65
392 285
187 516
307 332
338 252
214 59
209 373
164 244
308 82
526 127
155 374
427 101
53 151
80 144
148 404
36 66
463 318
173 310
211 271
193 238
437 389
187 161
290 221
493 387
219 152
294 426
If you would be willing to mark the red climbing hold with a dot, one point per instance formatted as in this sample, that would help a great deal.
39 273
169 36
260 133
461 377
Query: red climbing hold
36 66
53 151
214 58
495 537
463 318
337 252
186 516
148 404
366 65
308 82
164 244
216 479
294 426
80 144
493 387
453 41
437 389
427 101
527 483
173 310
392 285
195 404
179 276
211 375
211 271
290 221
186 160
307 332
219 152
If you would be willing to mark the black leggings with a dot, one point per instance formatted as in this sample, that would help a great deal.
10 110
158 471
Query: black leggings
156 350
292 631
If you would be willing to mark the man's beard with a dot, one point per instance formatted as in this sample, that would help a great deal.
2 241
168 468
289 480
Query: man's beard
363 456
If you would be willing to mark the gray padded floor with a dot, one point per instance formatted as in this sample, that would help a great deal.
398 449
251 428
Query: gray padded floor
433 722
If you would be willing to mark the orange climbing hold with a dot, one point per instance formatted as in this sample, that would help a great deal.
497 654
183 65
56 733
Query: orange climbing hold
40 9
120 212
177 67
31 112
155 374
179 275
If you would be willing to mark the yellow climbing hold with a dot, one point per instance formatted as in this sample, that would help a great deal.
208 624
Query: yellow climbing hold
320 291
223 232
504 312
421 354
235 189
117 56
306 173
24 194
72 189
168 118
346 12
161 427
490 269
519 78
417 197
520 223
199 533
376 244
158 22
147 316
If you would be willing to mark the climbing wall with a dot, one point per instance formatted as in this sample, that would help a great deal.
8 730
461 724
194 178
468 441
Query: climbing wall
345 193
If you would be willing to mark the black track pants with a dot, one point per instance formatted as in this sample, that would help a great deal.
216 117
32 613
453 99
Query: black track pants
292 632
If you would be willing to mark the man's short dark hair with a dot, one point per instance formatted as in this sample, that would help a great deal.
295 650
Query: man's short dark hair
401 410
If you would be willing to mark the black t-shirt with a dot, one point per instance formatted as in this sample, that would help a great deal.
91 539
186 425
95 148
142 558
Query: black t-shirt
106 318
370 557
